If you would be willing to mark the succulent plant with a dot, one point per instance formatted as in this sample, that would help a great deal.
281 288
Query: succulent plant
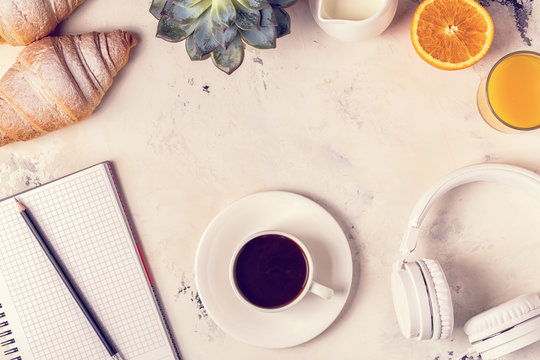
219 28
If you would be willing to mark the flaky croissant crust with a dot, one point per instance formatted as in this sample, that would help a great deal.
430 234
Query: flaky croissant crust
25 21
58 81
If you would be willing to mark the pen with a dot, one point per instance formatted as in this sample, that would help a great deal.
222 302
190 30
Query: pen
68 282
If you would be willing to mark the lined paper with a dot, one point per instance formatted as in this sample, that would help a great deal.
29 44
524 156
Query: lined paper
83 221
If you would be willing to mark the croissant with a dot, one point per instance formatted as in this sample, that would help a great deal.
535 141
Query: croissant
58 81
24 21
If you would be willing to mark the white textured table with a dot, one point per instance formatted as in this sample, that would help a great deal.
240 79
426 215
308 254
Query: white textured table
364 129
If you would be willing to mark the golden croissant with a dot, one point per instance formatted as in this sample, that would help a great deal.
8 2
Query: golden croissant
58 81
25 21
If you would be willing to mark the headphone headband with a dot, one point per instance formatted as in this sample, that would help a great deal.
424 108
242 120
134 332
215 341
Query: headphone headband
507 174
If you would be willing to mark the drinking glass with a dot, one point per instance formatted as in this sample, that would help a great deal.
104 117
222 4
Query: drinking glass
509 97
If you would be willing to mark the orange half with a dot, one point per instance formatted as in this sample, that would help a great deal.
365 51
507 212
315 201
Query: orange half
451 34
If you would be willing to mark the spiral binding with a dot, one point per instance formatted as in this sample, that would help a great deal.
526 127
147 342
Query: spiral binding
7 342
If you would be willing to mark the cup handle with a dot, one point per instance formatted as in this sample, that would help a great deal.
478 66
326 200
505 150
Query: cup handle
321 290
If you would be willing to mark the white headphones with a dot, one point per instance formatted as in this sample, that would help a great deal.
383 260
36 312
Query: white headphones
421 293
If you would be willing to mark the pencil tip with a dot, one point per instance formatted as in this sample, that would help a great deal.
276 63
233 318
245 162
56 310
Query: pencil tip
20 206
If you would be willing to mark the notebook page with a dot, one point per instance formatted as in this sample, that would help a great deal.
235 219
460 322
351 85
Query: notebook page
80 217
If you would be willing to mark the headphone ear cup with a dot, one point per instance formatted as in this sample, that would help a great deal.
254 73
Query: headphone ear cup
411 302
505 328
440 298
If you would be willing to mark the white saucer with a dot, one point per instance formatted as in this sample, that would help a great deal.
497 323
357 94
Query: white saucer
293 214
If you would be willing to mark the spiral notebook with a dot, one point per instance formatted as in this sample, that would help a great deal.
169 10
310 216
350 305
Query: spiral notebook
83 218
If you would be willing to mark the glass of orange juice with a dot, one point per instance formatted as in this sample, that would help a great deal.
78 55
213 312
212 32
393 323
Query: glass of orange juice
509 97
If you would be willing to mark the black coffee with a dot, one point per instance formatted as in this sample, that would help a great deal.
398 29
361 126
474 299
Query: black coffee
271 271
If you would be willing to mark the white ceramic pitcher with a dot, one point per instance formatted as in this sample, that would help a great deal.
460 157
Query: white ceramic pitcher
353 20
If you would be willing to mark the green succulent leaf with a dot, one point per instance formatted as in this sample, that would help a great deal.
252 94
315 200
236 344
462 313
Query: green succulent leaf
158 7
247 19
217 25
225 11
254 4
192 50
186 15
219 28
228 60
283 22
203 37
281 3
265 38
186 3
173 31
267 17
225 38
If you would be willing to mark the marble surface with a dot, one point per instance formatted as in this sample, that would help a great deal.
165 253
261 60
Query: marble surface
362 128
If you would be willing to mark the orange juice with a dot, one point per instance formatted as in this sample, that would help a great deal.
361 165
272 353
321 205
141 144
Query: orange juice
509 99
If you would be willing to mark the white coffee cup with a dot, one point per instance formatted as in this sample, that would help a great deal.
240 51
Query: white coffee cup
309 284
353 20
